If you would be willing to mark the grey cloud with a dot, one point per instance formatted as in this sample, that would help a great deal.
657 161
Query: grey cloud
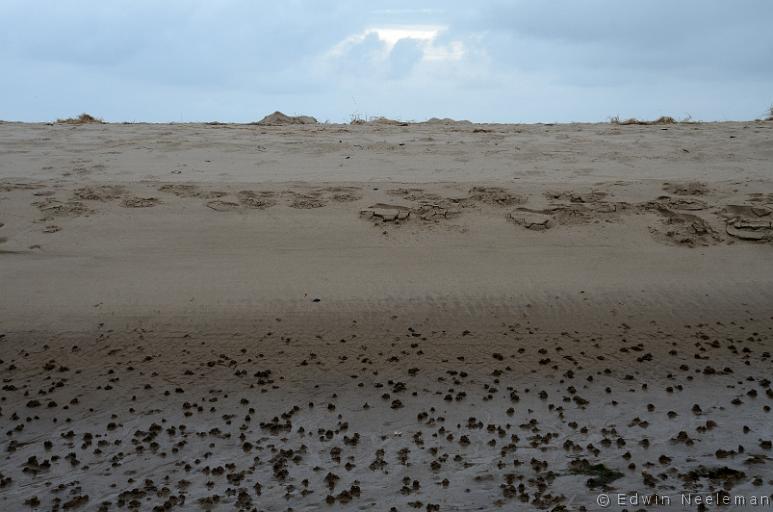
404 56
691 36
523 60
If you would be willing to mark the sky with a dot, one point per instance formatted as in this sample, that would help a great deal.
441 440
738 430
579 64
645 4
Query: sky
486 61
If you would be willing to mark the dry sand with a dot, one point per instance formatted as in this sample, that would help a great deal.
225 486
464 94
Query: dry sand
440 316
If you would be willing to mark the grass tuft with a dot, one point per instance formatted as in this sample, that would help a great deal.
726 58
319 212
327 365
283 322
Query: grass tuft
633 120
81 119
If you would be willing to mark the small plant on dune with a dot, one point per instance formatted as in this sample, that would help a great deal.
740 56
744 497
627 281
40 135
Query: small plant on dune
770 113
664 120
633 120
81 119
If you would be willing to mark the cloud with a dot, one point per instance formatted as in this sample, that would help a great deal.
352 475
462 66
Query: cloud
690 37
391 52
404 56
520 60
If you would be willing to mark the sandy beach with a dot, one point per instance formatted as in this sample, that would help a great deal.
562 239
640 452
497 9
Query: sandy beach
384 316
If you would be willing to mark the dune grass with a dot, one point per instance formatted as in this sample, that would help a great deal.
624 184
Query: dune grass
81 119
633 120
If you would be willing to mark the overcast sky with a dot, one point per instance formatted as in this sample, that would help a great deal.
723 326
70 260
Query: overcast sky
518 61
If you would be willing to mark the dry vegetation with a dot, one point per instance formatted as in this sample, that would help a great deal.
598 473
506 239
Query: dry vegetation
356 119
81 119
633 120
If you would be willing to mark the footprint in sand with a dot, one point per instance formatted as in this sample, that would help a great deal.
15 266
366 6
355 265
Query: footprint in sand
593 196
566 214
382 212
10 187
256 200
222 206
531 219
181 190
687 203
306 201
759 197
682 228
430 212
140 202
414 194
437 211
99 193
52 207
343 194
188 191
496 196
748 222
693 188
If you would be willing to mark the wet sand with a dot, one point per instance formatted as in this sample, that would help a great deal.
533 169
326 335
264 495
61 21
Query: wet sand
421 317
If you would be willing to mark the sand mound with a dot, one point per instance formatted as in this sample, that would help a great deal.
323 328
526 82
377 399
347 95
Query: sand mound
445 120
387 121
280 119
81 119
